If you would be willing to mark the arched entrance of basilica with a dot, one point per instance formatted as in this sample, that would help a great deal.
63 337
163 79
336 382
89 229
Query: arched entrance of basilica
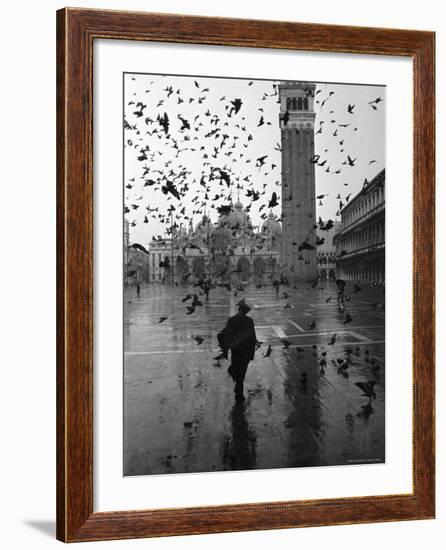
272 272
222 268
259 270
243 270
198 268
181 269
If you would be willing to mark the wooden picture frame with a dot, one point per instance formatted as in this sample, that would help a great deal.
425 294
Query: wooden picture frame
76 31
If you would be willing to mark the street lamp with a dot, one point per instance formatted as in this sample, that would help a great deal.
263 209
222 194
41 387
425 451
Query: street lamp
209 247
171 248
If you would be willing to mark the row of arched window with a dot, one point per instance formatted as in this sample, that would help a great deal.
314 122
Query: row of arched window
371 235
364 205
297 104
326 258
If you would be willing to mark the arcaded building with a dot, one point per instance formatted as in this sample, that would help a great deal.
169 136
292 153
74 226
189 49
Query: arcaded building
360 239
326 254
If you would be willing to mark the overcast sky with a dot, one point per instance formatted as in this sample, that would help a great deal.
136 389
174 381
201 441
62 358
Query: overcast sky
221 139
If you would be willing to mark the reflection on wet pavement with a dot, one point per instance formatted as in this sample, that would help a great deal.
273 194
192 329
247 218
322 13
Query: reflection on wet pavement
302 407
239 447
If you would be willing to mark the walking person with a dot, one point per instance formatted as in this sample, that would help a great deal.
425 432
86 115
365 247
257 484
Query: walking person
276 285
138 289
206 287
284 280
239 336
340 285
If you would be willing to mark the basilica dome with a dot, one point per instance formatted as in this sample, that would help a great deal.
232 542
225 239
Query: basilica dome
272 225
204 226
180 232
237 217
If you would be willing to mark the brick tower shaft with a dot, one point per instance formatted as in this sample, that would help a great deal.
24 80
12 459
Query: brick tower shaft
298 181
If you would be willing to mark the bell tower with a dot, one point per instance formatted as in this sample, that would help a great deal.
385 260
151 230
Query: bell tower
298 180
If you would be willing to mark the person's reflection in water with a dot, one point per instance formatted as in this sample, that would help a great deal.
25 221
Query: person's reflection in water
239 449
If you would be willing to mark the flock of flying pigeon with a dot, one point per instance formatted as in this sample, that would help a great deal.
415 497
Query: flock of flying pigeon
190 147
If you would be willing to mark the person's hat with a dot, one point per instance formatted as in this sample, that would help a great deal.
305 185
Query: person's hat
244 306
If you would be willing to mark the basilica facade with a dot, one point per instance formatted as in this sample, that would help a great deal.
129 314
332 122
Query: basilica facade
227 251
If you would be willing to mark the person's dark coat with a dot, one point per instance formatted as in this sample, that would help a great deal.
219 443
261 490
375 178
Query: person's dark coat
340 284
239 336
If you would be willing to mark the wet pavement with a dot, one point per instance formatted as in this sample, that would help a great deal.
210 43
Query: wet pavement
179 408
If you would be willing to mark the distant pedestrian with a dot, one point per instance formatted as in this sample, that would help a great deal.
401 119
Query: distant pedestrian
206 287
284 280
239 336
138 289
340 285
276 286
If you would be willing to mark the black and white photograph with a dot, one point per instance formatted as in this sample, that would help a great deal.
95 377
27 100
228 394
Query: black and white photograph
253 273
